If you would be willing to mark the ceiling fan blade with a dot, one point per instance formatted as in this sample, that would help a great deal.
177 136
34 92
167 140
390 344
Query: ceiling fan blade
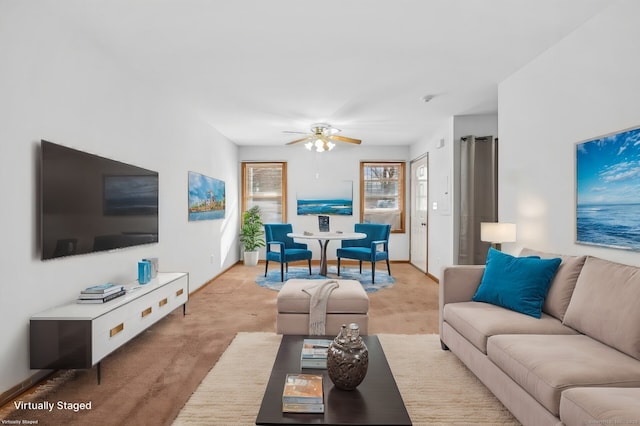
297 141
345 139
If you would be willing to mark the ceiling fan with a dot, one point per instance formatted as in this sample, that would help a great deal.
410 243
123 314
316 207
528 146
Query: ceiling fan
322 138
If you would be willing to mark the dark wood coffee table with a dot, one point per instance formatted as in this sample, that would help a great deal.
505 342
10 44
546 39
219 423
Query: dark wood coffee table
376 401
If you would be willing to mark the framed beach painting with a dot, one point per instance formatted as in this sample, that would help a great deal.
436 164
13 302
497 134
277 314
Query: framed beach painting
608 190
206 197
335 198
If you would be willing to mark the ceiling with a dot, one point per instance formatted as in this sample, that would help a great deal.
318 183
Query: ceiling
256 68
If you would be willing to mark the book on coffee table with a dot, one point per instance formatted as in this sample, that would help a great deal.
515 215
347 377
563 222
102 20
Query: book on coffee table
303 408
314 353
303 393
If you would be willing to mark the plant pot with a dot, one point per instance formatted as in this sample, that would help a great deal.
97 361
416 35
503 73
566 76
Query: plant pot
251 258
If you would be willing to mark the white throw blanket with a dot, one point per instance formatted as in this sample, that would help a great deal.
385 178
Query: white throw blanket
318 305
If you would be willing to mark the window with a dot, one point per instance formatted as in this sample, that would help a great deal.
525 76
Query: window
382 194
264 185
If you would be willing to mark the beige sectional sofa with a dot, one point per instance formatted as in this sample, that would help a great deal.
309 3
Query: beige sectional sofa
578 364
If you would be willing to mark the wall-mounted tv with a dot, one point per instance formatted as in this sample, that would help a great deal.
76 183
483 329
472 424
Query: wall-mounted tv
90 203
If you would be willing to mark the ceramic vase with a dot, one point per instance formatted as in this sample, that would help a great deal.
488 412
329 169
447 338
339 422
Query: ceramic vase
347 358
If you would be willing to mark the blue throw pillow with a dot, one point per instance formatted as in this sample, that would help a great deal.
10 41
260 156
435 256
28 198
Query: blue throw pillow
517 283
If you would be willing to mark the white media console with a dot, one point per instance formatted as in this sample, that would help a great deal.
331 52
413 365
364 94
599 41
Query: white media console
78 336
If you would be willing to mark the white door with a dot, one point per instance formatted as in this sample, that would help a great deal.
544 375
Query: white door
419 210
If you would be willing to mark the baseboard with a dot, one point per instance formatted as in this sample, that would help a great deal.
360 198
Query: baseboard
433 278
24 386
214 278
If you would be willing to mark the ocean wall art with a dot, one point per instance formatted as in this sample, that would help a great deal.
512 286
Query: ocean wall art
608 190
335 198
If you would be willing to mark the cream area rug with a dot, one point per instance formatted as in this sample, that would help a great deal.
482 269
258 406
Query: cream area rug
436 387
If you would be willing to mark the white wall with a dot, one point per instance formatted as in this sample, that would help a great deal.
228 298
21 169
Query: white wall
439 148
57 84
585 86
308 169
444 153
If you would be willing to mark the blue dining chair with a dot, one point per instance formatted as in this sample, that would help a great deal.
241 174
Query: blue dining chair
370 249
287 249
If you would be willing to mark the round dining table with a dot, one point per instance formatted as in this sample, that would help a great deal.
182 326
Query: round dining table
324 238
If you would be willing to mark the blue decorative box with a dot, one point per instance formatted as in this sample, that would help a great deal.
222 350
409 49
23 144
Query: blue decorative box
144 271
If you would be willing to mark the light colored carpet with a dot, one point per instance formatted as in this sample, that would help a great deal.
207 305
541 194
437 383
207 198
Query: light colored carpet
436 387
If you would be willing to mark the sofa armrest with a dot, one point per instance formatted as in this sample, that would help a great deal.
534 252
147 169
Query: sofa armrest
458 284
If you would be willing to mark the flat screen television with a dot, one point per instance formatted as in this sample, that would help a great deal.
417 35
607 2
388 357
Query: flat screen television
90 203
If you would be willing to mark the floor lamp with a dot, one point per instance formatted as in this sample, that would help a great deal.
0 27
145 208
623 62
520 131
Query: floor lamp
497 233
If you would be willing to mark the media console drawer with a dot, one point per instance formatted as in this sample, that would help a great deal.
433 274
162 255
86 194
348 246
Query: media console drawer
81 335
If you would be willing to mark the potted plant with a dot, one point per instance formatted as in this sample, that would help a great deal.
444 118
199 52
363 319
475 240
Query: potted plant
251 235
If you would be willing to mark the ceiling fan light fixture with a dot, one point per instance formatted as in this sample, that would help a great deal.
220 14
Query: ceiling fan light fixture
320 145
322 138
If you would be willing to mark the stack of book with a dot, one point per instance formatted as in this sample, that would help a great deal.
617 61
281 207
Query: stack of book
101 293
303 394
314 353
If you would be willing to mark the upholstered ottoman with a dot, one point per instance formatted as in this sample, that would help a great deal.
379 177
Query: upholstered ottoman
346 304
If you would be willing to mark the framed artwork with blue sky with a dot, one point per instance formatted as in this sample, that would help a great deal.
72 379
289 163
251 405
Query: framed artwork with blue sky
330 198
206 197
608 190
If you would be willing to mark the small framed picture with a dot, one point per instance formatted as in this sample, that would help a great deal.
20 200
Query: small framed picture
323 223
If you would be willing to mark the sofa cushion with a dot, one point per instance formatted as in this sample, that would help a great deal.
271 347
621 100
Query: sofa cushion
604 304
477 321
600 406
546 365
516 283
563 282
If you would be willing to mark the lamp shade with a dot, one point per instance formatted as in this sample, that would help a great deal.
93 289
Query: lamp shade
497 232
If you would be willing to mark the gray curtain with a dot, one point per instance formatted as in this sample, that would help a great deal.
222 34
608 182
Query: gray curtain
478 195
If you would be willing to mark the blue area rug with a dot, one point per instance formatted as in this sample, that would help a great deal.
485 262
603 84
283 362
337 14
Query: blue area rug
272 280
